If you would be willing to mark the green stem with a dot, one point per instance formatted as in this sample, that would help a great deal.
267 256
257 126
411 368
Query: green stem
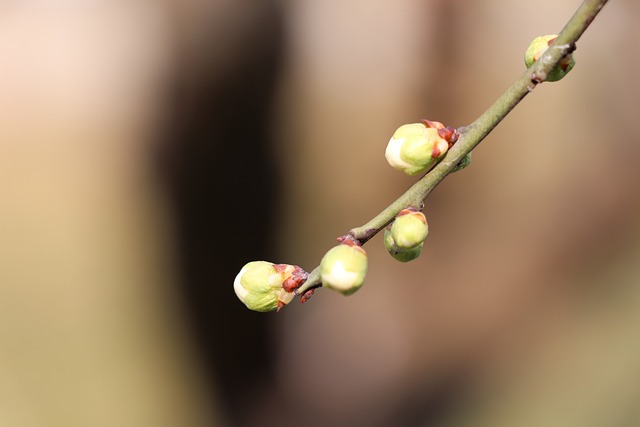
472 135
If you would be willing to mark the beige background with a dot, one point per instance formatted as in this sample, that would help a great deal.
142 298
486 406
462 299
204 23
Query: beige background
523 309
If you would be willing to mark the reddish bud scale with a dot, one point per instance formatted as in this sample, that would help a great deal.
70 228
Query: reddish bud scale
296 276
410 210
351 241
449 134
432 124
306 295
280 268
435 152
348 240
564 64
406 211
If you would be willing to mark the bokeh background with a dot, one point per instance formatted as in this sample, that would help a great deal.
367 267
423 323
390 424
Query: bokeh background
149 149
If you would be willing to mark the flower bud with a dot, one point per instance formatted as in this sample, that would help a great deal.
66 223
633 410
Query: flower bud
538 47
263 286
343 268
401 254
409 229
416 147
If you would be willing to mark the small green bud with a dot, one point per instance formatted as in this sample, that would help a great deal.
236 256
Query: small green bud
466 161
401 254
343 268
409 229
416 147
538 47
264 286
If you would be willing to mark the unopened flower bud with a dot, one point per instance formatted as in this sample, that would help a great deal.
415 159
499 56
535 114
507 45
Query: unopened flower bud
343 268
401 254
416 147
263 286
409 229
538 47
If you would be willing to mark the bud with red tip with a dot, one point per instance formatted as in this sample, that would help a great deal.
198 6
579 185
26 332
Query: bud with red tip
409 229
416 147
264 286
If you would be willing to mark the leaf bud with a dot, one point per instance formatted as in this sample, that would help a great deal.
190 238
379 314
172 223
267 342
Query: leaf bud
538 47
343 268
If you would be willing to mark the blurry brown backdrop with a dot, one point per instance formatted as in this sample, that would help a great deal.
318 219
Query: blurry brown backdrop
149 149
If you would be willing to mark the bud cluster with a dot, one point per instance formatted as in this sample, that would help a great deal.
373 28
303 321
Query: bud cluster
414 148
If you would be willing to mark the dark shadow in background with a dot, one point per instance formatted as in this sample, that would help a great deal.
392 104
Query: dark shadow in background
223 185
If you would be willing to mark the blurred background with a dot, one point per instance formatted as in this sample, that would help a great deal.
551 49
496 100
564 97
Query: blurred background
149 149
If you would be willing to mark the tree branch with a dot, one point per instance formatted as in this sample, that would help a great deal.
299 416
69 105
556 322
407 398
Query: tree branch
473 134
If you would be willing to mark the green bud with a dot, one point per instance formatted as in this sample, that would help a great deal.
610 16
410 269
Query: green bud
409 229
401 254
466 161
538 47
416 147
343 268
264 286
